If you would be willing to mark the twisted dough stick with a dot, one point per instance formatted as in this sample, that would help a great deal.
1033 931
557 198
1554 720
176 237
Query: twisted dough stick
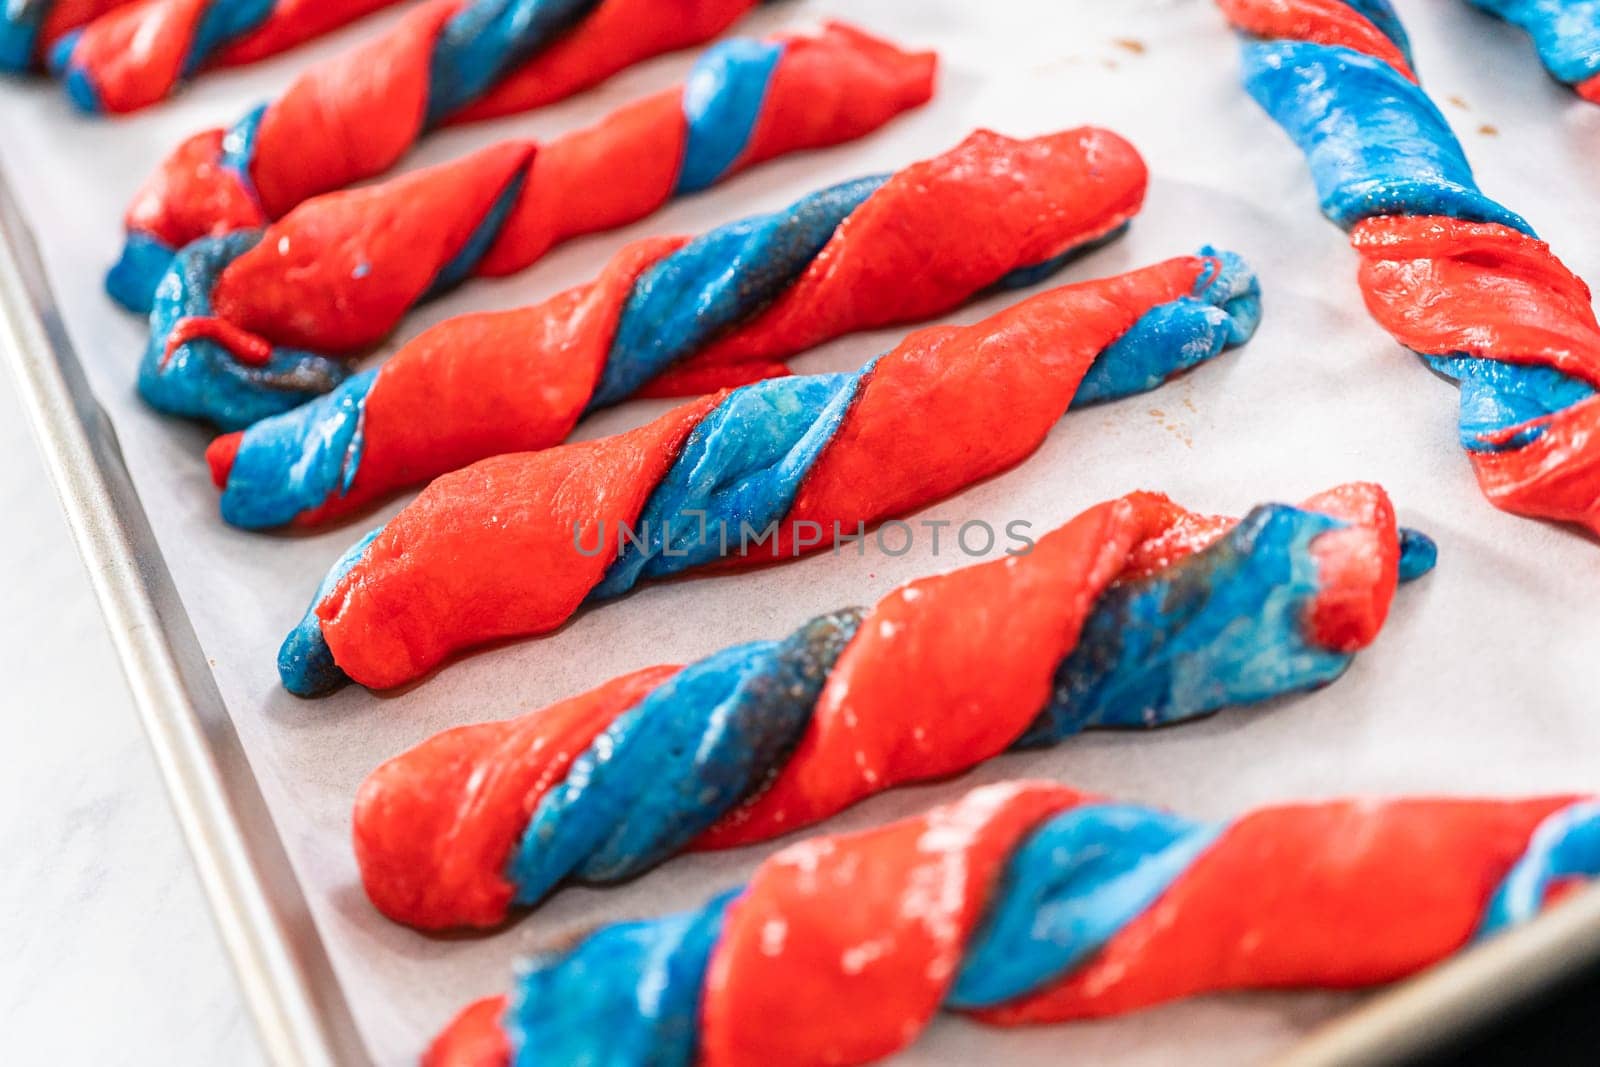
1135 614
232 324
513 545
356 115
29 29
136 56
1450 273
1566 34
674 316
1026 902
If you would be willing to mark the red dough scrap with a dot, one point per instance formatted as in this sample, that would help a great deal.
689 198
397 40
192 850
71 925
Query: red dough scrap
1441 285
430 853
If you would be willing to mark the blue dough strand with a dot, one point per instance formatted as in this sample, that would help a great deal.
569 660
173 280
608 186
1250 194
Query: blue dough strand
1066 890
1375 143
740 468
675 763
19 34
1497 396
305 662
1174 337
1565 32
717 281
629 993
486 40
721 102
318 444
1222 628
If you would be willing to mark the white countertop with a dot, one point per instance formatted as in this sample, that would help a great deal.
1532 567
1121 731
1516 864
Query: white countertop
110 952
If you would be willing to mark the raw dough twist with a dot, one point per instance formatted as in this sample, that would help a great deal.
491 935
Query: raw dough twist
1025 903
1450 273
137 55
513 545
251 324
1135 614
356 115
671 316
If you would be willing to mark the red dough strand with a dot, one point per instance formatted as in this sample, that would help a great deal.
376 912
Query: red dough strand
1331 22
1442 285
1334 895
516 516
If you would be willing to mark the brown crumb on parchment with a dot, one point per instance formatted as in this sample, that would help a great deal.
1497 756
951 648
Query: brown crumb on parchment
1130 44
1460 102
1489 131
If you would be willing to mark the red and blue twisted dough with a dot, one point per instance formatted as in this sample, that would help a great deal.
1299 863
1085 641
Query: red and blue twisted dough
1137 613
256 322
1450 273
671 316
1026 903
29 29
136 56
1566 34
515 544
355 116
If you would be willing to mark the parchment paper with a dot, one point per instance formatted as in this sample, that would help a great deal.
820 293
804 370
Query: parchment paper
1484 680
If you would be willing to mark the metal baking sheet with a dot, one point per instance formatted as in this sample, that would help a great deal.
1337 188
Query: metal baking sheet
1481 683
